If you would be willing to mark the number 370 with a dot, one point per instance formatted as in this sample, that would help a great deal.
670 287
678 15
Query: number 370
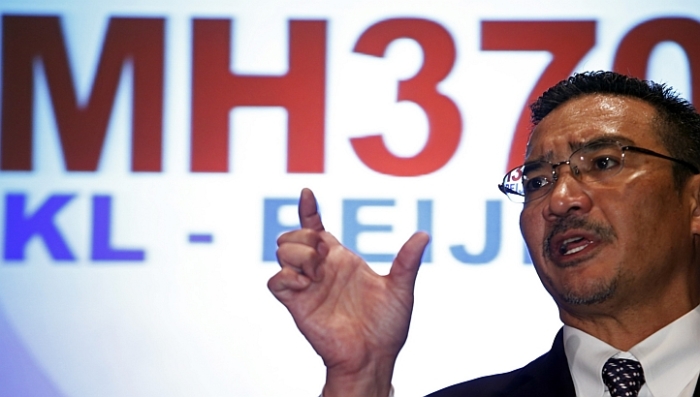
567 41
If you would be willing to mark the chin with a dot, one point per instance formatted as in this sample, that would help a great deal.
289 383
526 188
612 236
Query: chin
575 299
590 293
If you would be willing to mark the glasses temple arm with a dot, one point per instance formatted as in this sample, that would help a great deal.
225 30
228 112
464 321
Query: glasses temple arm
662 156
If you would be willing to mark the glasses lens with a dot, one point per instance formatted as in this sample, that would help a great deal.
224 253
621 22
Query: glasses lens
536 178
527 182
597 162
512 185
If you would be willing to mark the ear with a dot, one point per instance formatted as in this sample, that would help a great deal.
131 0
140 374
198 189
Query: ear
692 189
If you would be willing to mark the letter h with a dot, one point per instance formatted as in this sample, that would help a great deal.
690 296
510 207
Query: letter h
216 90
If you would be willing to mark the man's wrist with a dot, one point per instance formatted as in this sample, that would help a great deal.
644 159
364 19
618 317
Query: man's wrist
371 381
391 392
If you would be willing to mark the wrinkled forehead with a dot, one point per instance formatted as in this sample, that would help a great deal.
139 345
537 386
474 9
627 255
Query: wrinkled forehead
589 119
553 157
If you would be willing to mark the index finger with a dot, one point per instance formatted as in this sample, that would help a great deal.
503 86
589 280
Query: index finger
308 211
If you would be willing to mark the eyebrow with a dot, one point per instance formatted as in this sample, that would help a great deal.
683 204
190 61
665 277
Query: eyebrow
574 146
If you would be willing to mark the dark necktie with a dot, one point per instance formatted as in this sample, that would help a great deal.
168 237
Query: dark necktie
623 377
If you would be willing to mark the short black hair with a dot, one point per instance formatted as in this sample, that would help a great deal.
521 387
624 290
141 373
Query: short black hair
678 123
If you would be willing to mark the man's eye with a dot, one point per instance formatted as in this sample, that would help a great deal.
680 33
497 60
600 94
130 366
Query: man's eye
605 163
535 184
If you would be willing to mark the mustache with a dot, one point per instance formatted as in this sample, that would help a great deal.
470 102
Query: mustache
603 232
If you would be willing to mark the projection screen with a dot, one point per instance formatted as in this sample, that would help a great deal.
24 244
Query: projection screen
152 151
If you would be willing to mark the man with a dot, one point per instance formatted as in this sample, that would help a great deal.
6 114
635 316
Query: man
611 217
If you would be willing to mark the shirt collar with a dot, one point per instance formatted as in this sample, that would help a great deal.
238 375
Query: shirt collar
669 357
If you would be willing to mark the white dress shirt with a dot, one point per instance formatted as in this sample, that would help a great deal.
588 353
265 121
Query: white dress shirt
670 359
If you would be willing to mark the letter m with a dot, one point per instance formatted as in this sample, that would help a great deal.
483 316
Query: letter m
82 127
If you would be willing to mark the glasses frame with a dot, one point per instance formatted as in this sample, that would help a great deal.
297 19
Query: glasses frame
520 198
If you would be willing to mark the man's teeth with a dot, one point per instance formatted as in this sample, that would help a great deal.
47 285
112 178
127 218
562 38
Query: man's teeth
575 250
564 246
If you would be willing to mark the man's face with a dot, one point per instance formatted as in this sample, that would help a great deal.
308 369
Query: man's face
611 243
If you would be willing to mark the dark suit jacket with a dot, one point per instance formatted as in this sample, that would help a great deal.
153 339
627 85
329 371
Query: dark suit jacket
547 376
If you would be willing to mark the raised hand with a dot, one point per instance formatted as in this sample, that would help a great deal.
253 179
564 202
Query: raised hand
355 319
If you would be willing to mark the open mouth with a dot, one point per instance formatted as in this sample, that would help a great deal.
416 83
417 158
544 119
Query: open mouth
575 240
573 245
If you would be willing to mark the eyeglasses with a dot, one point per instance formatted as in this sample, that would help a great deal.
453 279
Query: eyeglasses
594 162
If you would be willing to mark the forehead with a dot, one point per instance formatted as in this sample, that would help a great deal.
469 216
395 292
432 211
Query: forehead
583 119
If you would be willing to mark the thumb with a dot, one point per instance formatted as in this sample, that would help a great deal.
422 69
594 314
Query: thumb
405 267
309 217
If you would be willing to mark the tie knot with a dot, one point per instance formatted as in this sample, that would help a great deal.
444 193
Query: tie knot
623 377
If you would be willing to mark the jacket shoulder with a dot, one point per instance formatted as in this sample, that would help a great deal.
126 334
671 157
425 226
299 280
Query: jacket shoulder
496 385
548 375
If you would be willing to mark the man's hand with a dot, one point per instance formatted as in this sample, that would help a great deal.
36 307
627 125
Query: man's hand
355 319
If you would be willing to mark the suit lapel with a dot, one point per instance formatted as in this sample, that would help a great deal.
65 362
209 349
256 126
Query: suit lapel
547 376
560 374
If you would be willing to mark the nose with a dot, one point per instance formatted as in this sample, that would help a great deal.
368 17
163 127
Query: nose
567 196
